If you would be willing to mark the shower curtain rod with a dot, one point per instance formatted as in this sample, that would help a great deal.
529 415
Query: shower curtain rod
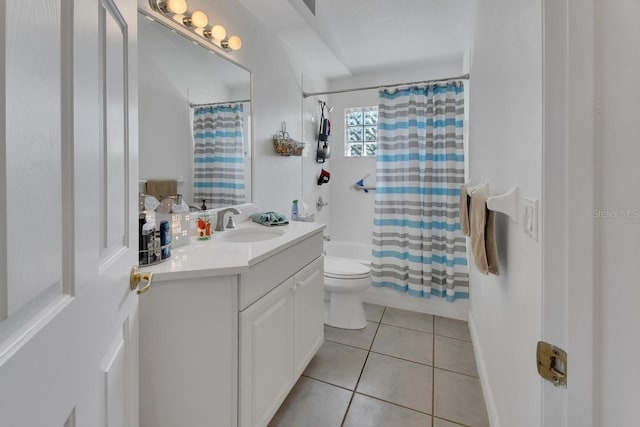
192 105
329 92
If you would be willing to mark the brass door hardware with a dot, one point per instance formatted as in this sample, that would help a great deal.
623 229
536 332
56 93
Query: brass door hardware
552 364
137 277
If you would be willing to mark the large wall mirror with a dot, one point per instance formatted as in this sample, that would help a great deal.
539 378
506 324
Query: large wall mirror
194 118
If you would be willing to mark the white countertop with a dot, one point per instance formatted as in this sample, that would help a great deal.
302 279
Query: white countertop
205 258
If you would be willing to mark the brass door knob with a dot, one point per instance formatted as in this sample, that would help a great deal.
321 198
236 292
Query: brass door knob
138 277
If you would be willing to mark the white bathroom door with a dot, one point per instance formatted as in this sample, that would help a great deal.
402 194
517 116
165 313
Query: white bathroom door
68 229
594 309
582 180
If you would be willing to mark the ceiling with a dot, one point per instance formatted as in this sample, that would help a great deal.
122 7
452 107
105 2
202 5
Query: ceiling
351 37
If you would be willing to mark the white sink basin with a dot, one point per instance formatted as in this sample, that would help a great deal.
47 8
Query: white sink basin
248 235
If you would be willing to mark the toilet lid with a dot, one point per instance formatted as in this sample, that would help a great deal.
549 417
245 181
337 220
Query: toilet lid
341 268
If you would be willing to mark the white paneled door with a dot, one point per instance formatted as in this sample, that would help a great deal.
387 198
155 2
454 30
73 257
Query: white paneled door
68 208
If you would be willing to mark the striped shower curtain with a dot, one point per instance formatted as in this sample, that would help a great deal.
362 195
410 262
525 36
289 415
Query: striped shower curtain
418 247
218 155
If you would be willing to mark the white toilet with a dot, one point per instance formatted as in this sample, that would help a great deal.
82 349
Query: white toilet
344 281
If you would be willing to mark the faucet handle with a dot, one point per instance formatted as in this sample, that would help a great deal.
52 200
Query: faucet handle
231 223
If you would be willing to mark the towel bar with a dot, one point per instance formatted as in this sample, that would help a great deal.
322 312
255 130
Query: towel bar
482 187
507 203
363 188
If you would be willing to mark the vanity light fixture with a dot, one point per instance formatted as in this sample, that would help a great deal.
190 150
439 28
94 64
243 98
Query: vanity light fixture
177 7
216 32
233 43
198 19
197 22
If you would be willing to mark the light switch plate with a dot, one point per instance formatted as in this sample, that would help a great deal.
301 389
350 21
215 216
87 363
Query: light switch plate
530 218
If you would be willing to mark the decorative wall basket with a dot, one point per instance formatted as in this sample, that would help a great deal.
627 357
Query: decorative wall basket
287 146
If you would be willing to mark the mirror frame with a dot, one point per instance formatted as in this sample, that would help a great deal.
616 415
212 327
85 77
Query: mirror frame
145 10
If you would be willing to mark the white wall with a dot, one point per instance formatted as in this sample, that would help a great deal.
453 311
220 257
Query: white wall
311 169
619 245
506 149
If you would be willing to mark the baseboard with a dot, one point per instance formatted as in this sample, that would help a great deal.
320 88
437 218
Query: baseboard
492 413
434 305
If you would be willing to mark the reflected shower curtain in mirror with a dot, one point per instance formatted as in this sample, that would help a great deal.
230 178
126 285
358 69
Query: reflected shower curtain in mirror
218 156
418 245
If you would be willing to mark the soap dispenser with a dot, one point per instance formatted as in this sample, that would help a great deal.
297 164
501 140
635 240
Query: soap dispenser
294 211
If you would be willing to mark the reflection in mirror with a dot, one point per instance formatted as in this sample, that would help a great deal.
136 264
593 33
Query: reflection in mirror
194 115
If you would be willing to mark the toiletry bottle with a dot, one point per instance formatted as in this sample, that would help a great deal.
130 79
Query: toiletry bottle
294 211
148 243
204 227
165 240
142 220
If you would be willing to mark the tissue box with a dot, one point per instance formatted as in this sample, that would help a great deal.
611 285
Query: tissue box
179 224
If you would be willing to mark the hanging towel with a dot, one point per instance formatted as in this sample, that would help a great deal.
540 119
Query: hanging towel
483 244
269 218
161 188
464 210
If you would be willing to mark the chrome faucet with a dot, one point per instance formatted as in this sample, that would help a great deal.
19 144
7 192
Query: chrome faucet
220 219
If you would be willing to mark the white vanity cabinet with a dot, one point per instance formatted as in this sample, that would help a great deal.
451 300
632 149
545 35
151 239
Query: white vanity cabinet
222 346
308 314
279 334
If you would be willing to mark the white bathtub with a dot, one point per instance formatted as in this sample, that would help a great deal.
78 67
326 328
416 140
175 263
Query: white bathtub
384 296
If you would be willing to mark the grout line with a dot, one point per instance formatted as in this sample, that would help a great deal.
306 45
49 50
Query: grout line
402 358
348 345
394 404
454 338
362 370
450 421
327 382
344 418
409 329
433 374
456 372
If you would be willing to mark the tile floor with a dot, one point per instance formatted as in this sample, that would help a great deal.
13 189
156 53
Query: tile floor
405 369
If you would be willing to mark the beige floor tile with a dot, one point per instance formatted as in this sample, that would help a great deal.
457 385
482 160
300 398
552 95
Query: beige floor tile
404 343
361 338
373 312
452 328
459 398
437 422
398 381
369 412
408 319
337 364
312 403
454 355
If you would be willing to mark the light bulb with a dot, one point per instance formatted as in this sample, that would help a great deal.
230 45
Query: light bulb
235 43
179 7
218 32
198 19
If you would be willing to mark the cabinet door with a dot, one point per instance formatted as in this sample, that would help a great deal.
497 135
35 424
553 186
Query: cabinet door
308 314
266 351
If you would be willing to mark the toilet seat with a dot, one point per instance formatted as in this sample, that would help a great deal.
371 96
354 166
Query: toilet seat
340 268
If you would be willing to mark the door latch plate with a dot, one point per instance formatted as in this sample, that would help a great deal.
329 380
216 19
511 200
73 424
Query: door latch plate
552 364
